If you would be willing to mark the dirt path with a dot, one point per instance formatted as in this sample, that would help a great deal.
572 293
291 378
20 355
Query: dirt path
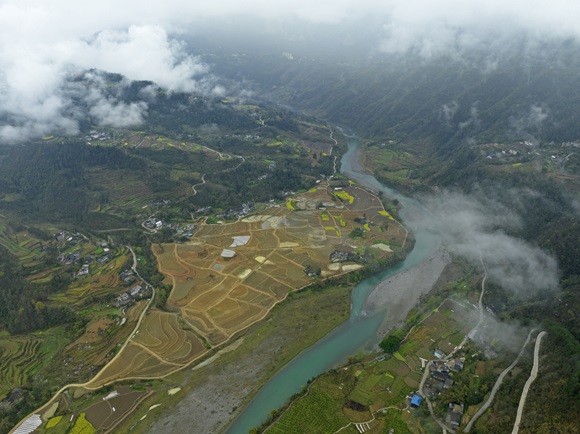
497 385
532 378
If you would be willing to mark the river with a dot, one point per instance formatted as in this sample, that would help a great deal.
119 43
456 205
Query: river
356 334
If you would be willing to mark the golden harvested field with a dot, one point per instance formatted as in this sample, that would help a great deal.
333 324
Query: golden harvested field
161 333
135 361
230 275
107 413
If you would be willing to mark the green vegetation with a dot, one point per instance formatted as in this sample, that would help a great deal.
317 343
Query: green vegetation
53 422
319 411
394 421
290 205
22 308
82 426
390 344
345 196
386 214
357 233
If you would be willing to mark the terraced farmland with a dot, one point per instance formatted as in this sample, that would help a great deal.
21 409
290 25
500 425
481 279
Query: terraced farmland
216 294
221 285
18 357
21 357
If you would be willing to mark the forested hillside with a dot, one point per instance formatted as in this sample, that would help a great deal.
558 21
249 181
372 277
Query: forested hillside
443 101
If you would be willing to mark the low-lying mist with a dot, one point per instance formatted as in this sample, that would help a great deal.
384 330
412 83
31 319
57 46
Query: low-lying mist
482 230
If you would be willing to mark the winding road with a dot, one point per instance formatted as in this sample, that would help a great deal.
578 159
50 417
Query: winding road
199 183
497 385
473 332
221 157
531 379
330 152
470 335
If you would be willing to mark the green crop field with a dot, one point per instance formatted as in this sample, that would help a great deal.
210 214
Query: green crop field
319 411
395 421
18 358
82 426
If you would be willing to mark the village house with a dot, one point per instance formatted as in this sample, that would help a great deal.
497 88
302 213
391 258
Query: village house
344 257
123 300
455 414
416 401
136 290
127 275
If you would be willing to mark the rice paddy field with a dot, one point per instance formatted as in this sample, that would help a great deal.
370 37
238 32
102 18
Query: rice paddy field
18 361
21 357
230 275
22 244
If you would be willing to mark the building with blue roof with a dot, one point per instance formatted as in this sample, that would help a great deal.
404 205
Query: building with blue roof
416 401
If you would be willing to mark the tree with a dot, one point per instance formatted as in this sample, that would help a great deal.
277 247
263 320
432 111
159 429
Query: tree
390 344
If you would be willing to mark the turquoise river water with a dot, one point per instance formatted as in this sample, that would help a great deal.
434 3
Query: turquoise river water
356 334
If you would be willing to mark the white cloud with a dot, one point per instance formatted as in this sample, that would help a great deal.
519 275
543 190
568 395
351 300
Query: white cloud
40 48
142 53
42 43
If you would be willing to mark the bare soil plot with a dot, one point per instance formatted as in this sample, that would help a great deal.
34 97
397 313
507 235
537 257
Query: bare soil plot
94 330
106 414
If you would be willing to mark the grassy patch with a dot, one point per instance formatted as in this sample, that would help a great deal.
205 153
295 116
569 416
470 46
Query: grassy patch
394 421
53 422
386 214
399 356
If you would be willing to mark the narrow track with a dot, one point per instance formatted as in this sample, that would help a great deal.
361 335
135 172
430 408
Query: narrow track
531 379
497 385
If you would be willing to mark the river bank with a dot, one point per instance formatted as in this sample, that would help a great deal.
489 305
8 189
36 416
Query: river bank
400 293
